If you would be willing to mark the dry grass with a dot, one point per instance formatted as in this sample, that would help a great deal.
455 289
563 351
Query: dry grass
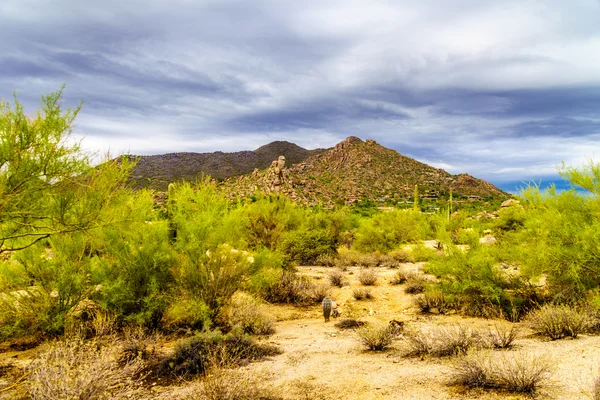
337 278
515 373
361 293
367 277
401 276
415 284
82 370
376 337
557 322
440 341
319 292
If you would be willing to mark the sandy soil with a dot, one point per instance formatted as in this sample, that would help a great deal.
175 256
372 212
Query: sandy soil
323 362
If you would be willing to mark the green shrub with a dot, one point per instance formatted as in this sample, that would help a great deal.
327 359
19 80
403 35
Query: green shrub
386 231
290 288
376 337
557 322
186 312
305 246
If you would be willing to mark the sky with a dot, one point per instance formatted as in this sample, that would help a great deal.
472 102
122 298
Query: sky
503 90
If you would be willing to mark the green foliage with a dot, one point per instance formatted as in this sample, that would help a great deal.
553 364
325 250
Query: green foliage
386 231
47 186
305 246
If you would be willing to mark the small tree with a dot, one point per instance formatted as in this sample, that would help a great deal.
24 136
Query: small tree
47 185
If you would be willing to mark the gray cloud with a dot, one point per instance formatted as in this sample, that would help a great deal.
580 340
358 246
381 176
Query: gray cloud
504 91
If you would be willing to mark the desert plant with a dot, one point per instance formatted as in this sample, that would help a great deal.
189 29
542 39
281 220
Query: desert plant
325 260
81 370
516 373
415 284
367 277
349 323
361 293
401 276
432 300
220 383
337 278
289 288
319 292
501 337
440 341
376 337
194 356
248 313
557 321
306 246
401 256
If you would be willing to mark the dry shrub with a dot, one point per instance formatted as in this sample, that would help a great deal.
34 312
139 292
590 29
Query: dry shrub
82 370
558 321
248 313
138 344
87 319
361 293
336 277
401 276
367 277
319 292
349 323
433 301
326 260
516 373
368 260
440 341
415 284
376 337
501 336
290 288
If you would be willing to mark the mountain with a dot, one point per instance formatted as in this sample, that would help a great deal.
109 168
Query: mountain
156 172
355 169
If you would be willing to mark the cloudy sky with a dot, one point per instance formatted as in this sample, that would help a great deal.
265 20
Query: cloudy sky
504 90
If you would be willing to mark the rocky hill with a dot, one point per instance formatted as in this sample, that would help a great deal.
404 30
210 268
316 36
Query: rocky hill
156 172
355 169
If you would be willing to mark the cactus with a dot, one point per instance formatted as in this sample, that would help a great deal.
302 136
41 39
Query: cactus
327 306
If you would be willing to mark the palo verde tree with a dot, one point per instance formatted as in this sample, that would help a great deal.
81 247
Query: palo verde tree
47 186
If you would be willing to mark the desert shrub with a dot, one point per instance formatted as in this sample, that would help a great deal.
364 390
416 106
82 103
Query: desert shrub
480 288
440 341
215 276
290 288
207 349
346 257
469 237
415 284
28 312
401 276
500 337
137 344
557 322
319 292
266 259
305 246
361 293
186 312
349 323
420 252
401 256
337 278
81 370
221 383
516 373
326 260
367 277
245 311
433 300
386 231
368 260
376 337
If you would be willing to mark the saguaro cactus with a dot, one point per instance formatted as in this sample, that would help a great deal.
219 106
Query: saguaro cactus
327 306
